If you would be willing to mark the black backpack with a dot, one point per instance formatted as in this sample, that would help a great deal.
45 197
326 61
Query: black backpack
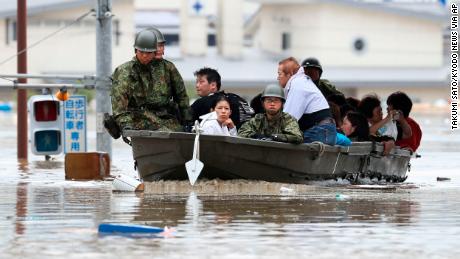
245 111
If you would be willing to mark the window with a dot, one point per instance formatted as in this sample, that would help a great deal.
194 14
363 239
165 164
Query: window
286 41
171 39
11 31
359 45
211 40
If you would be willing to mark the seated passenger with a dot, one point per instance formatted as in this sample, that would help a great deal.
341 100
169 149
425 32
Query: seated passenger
335 111
353 102
378 126
218 121
256 104
306 103
380 129
314 70
354 128
401 102
208 87
274 124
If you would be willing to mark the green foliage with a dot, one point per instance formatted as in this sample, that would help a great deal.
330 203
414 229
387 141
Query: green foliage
191 91
89 93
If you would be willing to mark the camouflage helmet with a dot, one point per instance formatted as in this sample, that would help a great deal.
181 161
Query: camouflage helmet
273 90
158 34
313 62
145 41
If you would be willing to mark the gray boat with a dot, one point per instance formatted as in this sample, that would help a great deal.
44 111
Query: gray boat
162 155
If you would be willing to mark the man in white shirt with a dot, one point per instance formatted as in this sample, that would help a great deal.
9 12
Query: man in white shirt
306 103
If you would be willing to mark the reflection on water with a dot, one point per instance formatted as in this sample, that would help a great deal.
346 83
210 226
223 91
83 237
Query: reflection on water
320 208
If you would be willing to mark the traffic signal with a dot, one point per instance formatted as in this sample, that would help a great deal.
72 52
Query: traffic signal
46 125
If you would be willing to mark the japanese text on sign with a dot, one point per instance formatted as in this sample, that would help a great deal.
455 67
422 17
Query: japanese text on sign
75 124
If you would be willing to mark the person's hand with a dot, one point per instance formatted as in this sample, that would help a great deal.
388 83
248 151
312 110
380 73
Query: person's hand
388 117
399 116
279 138
188 126
257 136
266 139
229 123
388 146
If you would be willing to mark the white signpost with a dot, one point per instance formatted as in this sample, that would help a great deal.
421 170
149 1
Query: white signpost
75 124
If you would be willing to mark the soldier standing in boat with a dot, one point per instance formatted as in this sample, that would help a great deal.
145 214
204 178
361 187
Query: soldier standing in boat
141 97
172 78
314 70
274 124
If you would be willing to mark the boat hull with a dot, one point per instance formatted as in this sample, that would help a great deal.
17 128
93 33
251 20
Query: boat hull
162 155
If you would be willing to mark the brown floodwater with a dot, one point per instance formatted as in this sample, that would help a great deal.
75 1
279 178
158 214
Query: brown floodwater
44 216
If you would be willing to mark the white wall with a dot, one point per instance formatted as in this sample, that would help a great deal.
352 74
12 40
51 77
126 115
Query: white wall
230 28
328 31
193 32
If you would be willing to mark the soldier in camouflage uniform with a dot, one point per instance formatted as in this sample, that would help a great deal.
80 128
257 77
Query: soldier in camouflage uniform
314 70
274 124
141 96
172 77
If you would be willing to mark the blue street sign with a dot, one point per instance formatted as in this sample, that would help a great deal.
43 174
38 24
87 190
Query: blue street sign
75 124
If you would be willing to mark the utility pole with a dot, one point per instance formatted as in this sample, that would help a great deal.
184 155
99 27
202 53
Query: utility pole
103 72
22 69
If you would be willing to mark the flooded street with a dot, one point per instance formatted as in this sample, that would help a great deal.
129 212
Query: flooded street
44 216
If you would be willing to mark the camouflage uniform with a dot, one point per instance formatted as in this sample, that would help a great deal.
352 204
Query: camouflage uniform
283 127
327 88
172 77
142 98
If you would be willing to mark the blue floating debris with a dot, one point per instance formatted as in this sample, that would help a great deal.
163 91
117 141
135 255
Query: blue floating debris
5 107
108 228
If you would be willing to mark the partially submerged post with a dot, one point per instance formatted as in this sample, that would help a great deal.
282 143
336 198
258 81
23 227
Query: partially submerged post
103 72
22 68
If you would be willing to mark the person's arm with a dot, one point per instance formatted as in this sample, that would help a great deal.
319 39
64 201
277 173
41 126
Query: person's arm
179 91
248 129
233 131
229 123
290 132
342 140
120 93
295 103
209 128
376 126
406 129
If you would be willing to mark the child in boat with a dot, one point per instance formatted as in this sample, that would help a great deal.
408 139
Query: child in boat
218 121
354 128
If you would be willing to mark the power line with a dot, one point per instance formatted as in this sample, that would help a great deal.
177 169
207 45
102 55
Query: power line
47 37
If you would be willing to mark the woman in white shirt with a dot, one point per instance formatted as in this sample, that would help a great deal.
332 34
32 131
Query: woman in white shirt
218 121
